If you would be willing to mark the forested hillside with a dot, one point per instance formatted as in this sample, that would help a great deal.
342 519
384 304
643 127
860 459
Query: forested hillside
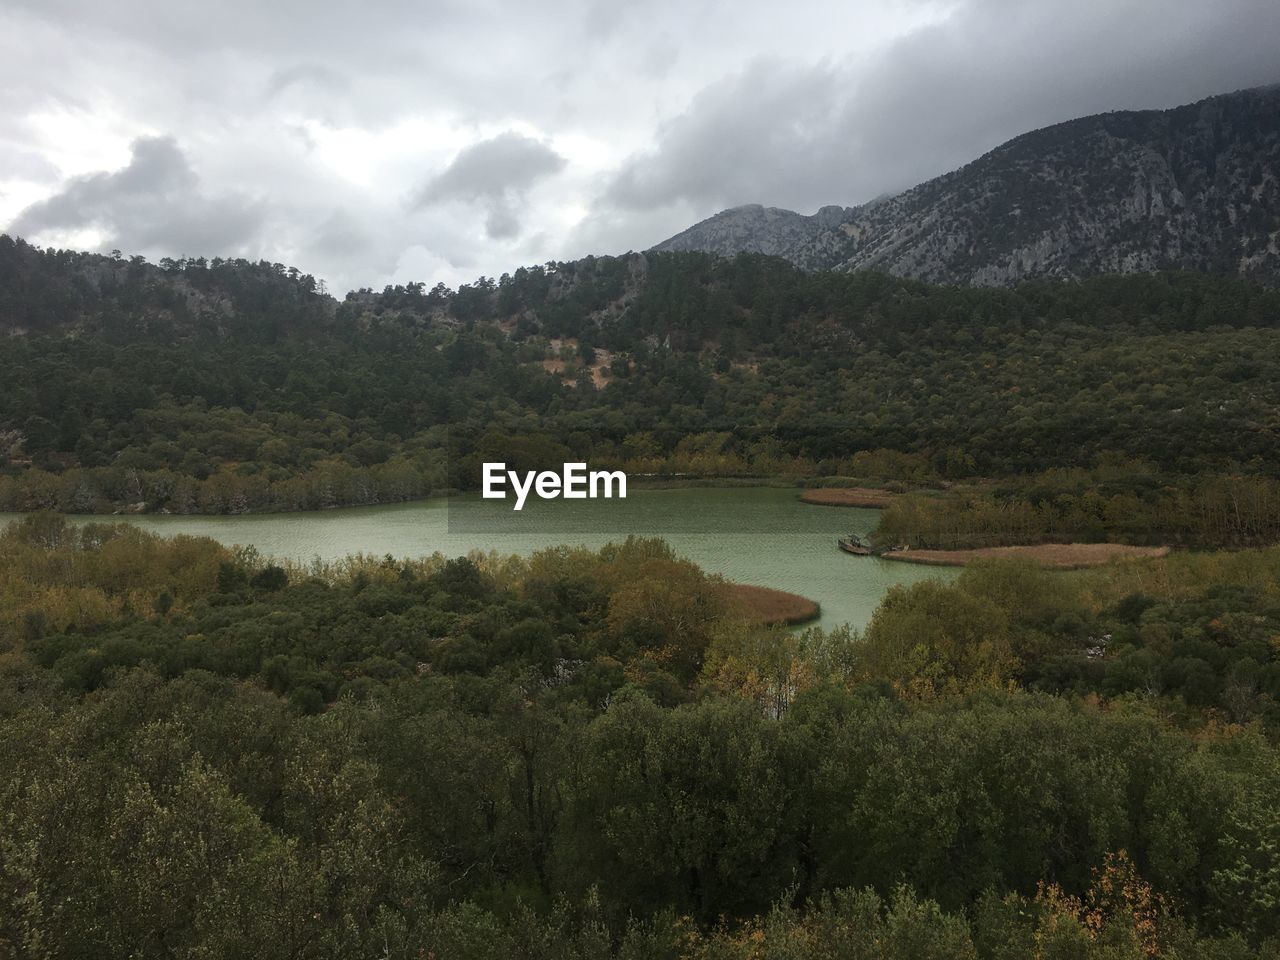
203 752
656 363
65 292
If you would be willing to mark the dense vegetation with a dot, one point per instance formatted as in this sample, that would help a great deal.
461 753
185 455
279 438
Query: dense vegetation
1117 501
584 754
594 754
225 386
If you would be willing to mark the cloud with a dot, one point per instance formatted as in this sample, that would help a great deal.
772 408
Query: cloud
154 203
21 161
315 76
801 135
740 140
496 173
295 131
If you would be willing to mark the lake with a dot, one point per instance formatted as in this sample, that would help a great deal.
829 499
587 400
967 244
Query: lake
757 535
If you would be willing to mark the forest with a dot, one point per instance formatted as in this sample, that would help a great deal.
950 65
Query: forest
198 386
1118 501
586 754
205 752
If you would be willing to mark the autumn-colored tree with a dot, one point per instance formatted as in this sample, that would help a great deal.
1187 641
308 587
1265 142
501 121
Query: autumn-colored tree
929 638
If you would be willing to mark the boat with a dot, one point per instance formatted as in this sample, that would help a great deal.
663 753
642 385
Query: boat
854 544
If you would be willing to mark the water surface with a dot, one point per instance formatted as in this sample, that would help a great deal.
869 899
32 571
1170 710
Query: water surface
757 535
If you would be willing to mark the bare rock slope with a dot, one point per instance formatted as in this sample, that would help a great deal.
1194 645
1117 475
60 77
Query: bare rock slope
1194 187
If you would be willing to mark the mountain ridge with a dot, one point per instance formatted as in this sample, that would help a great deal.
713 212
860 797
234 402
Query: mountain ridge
1193 187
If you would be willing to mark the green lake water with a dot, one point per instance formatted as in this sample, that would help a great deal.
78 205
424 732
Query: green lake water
756 535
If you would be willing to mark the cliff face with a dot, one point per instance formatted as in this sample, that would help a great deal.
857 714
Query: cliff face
1193 188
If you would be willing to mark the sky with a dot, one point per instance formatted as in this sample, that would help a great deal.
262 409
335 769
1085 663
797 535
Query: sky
393 141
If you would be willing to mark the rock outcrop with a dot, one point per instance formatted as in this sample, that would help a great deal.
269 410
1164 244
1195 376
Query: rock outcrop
1194 188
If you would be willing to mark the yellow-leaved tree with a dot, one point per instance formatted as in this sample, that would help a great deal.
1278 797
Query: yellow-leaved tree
931 638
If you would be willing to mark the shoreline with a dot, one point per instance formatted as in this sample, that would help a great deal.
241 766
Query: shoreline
1057 556
868 498
635 481
771 606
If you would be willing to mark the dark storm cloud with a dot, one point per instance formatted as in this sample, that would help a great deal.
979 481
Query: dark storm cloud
805 135
748 134
497 173
154 203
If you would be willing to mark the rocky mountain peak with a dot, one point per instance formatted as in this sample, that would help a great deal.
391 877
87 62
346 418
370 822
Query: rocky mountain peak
1194 187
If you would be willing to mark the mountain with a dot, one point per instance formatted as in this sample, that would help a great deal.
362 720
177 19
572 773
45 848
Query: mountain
1192 188
807 241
